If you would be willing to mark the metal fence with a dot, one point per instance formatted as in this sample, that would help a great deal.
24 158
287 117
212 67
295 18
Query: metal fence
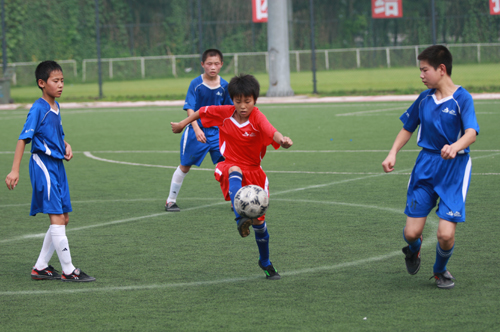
150 67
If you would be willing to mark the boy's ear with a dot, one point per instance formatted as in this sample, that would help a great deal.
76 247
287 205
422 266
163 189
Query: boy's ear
443 68
41 83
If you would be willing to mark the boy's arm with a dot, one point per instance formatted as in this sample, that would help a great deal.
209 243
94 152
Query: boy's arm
450 151
177 127
13 177
400 141
284 141
200 135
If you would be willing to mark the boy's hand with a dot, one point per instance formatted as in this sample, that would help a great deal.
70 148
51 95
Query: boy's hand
286 142
388 163
200 135
12 179
448 152
176 127
69 152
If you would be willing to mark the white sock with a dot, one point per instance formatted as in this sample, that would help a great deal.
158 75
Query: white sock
46 252
60 242
176 185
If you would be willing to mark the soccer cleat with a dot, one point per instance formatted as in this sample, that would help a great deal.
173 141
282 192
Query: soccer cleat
171 207
49 273
271 272
444 280
244 226
77 275
412 259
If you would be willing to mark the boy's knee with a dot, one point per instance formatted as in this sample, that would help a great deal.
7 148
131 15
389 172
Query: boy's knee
234 169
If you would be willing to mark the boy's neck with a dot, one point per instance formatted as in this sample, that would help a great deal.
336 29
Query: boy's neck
445 89
51 100
210 80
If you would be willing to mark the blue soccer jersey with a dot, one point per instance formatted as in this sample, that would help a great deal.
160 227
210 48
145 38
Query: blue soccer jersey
43 128
441 121
200 94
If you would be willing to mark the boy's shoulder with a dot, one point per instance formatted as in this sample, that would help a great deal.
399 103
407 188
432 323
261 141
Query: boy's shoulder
41 105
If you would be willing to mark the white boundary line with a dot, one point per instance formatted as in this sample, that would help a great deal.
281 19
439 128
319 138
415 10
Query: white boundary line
430 242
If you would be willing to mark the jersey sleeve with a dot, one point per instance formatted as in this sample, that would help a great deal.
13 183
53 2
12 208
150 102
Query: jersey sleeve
211 116
468 114
31 124
190 102
267 130
227 99
410 117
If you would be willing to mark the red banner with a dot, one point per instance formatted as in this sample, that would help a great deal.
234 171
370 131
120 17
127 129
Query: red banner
259 11
495 7
387 8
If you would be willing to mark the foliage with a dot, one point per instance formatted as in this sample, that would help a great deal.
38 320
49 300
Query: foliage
43 29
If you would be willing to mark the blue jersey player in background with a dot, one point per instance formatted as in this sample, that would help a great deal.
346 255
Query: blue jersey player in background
446 121
43 128
196 141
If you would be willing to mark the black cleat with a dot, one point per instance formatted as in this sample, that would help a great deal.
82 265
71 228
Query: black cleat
172 207
412 259
271 272
49 273
244 226
444 280
77 275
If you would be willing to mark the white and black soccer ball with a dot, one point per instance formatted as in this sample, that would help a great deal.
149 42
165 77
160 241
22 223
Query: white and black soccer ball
251 201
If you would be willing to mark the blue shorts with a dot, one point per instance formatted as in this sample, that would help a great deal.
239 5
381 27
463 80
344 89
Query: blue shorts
433 178
50 185
193 152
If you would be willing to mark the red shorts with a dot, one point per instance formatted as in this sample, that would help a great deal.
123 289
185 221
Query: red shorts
251 175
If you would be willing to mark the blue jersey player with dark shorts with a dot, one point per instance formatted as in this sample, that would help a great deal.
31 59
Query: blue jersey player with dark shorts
196 141
43 128
446 121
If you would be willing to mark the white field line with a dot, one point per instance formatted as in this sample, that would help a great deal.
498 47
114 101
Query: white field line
326 268
372 111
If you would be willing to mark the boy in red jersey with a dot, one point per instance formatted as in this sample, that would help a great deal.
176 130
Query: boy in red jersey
244 134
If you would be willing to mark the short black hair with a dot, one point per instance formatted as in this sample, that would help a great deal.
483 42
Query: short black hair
211 52
436 55
44 69
244 85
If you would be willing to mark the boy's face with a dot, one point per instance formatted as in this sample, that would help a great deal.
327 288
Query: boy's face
430 76
244 105
212 66
54 85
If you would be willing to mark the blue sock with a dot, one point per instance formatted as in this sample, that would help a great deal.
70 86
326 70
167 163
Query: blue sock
235 179
262 239
415 245
442 257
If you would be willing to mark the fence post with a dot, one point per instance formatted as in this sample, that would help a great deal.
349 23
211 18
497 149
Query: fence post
327 63
416 55
110 68
388 57
267 62
478 53
84 65
358 58
297 61
174 68
235 64
143 68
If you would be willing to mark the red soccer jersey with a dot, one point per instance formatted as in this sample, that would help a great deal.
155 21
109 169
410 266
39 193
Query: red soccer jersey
242 144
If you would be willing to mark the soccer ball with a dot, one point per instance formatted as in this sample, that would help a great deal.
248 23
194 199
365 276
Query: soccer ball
251 201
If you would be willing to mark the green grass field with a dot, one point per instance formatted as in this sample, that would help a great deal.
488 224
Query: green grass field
476 78
335 222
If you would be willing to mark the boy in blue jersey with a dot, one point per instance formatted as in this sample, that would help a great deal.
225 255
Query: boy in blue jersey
205 90
447 127
43 128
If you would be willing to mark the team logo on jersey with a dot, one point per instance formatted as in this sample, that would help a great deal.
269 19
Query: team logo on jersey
219 93
448 111
248 134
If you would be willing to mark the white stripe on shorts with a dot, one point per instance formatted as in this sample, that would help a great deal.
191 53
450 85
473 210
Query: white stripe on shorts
465 185
40 163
